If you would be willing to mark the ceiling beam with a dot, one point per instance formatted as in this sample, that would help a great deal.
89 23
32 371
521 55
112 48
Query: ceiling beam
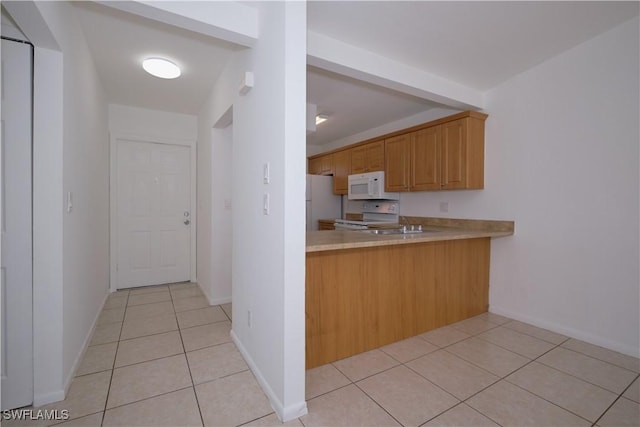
229 21
333 55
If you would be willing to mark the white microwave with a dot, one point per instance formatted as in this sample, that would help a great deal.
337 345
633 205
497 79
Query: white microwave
369 186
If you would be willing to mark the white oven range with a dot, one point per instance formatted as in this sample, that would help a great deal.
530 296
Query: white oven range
373 213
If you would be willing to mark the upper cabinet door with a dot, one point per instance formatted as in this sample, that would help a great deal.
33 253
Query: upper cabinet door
397 152
454 154
322 165
359 159
375 156
315 166
341 171
327 164
367 157
425 159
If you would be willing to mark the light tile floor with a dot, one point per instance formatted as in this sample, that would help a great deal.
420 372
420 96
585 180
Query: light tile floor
160 356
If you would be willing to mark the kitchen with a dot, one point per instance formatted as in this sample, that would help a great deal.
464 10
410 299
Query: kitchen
440 155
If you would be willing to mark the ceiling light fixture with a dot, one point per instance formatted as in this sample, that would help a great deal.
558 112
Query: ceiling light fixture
161 67
321 118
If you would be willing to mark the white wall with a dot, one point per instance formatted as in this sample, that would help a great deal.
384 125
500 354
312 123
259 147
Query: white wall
215 148
221 214
562 161
152 123
48 210
267 258
86 177
215 203
70 155
268 250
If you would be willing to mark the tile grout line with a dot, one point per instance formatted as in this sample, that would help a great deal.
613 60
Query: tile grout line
149 335
193 384
162 394
500 378
376 402
582 379
455 406
621 396
515 352
599 360
386 370
104 412
567 339
559 345
404 364
533 336
474 335
553 403
138 363
256 419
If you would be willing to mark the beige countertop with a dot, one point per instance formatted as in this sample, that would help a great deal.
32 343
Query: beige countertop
446 229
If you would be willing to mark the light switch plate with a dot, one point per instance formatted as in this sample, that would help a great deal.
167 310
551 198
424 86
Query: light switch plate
265 204
266 173
69 202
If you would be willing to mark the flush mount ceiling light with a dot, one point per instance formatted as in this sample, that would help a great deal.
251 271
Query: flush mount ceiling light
321 118
161 67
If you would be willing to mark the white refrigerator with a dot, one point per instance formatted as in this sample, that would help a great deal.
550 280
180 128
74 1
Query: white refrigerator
321 202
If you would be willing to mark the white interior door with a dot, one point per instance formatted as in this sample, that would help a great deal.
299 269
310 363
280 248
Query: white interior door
17 287
153 209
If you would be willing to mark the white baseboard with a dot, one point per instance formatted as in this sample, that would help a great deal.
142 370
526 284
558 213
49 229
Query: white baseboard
214 301
58 395
46 398
219 301
85 345
569 332
284 413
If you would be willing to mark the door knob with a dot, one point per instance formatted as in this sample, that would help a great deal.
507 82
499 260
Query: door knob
187 222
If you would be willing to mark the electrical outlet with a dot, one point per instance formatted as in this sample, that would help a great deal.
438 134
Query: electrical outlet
444 206
249 318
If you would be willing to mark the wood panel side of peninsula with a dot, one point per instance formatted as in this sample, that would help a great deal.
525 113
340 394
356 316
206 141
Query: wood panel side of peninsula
363 298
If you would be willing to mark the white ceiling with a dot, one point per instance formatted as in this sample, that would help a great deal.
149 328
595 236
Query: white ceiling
476 44
119 41
354 106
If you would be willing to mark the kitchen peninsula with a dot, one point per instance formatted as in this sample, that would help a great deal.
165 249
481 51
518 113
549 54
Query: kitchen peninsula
366 290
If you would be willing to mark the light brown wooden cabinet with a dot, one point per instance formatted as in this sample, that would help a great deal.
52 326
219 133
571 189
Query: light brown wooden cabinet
326 224
446 156
462 154
405 290
315 166
341 171
397 167
322 165
368 157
